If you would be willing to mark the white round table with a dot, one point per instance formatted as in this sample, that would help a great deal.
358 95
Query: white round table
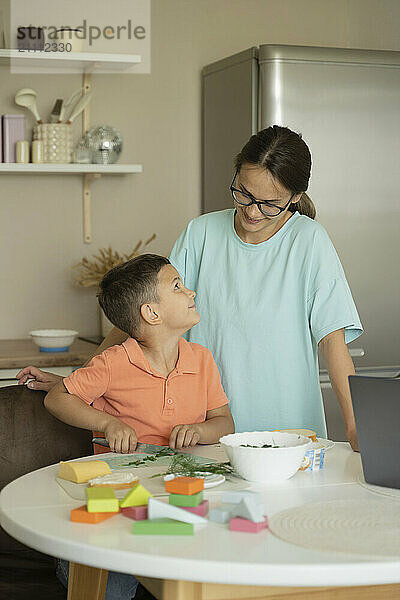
35 511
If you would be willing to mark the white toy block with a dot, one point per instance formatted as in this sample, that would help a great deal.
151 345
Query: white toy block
249 509
234 497
223 513
160 510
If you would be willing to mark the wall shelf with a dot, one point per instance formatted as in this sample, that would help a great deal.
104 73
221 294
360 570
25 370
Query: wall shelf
84 61
70 168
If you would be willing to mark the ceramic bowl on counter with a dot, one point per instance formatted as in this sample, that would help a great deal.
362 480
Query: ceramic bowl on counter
265 465
53 340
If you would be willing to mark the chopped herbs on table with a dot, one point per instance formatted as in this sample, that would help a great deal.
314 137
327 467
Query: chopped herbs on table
151 457
185 464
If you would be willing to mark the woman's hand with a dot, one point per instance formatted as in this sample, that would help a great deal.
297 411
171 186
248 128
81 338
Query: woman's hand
352 438
42 380
183 436
120 437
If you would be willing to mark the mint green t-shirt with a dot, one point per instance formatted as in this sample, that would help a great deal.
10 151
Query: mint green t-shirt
263 310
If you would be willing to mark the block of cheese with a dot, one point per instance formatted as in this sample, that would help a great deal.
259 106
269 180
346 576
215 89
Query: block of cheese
81 472
306 432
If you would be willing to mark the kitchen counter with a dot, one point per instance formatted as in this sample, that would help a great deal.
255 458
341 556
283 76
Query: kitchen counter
21 353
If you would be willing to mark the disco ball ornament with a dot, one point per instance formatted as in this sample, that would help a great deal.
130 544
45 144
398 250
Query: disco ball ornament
105 144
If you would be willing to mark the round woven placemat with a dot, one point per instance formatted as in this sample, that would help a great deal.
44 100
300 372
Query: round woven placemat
368 528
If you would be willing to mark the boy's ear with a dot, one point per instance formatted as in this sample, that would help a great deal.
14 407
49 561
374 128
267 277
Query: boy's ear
149 314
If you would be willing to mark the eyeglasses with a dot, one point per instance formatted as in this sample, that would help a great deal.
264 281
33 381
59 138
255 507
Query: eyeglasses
266 207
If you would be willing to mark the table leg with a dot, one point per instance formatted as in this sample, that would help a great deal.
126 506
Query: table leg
164 589
86 583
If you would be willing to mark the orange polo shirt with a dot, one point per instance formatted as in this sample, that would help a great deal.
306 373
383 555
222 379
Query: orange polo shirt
121 382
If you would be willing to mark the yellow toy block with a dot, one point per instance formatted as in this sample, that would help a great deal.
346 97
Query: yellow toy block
81 472
137 496
101 500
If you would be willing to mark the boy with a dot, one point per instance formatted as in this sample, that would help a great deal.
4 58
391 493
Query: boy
155 387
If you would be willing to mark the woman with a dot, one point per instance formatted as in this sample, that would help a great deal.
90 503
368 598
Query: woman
270 292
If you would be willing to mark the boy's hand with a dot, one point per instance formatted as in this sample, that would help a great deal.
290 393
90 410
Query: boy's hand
183 436
121 437
42 380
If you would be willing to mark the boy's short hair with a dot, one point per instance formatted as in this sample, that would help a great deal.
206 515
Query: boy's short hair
125 288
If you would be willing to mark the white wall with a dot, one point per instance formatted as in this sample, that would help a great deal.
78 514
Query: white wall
159 117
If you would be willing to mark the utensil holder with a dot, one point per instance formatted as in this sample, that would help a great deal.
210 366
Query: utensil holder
57 141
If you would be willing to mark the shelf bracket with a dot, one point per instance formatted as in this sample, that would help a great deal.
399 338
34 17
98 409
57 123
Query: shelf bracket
86 88
88 177
87 197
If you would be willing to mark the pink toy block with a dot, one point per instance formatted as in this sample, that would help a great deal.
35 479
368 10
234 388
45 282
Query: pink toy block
138 513
239 524
201 509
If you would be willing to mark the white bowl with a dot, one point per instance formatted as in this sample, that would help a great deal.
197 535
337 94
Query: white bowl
53 340
266 465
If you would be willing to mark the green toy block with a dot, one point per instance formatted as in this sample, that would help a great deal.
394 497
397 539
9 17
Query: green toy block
162 527
137 496
183 500
101 499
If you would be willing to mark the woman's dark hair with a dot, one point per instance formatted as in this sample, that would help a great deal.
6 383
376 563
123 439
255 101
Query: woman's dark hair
126 287
286 156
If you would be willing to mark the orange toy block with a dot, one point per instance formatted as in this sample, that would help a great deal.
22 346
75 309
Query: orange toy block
184 485
81 515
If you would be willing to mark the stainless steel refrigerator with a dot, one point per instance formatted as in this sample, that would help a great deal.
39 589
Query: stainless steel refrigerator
346 104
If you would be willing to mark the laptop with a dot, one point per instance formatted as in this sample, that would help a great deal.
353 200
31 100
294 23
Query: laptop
376 403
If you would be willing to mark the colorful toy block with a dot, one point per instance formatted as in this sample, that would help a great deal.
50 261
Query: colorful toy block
249 509
201 509
162 527
81 472
160 510
184 500
101 499
222 514
137 496
185 485
239 524
137 513
81 515
234 497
